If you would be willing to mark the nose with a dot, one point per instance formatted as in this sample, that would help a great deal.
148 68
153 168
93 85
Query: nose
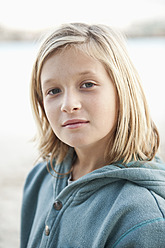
70 103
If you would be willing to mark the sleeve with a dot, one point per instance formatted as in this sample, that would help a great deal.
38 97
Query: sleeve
148 234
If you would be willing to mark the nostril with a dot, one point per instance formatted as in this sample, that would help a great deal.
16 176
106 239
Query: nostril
70 108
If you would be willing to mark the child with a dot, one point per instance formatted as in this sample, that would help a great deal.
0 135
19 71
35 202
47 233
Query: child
100 184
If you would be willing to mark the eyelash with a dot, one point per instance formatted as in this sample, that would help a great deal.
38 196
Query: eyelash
50 92
90 84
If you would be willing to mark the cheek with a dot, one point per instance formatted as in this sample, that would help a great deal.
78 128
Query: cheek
109 110
51 113
107 103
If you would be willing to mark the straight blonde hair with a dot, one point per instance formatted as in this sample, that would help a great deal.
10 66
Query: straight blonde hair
135 135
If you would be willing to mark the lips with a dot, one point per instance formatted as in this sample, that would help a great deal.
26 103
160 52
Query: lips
74 123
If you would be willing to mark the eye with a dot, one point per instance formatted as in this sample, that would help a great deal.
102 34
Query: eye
54 91
87 85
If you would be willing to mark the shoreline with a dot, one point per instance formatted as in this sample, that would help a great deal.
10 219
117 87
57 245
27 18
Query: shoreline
149 28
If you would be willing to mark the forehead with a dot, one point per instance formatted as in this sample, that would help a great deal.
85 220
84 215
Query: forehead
70 61
89 50
70 53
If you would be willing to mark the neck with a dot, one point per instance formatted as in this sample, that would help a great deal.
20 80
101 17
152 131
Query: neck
88 160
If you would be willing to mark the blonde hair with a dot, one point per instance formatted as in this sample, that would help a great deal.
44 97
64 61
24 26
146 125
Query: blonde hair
135 136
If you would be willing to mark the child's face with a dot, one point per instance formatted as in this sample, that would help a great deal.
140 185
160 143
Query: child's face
79 98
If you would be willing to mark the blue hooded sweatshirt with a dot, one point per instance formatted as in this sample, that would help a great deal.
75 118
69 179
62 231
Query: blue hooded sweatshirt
111 207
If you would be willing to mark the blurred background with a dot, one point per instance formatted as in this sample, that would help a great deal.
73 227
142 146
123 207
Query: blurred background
22 24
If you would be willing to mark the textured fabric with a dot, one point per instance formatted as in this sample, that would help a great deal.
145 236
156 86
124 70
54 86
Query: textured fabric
112 206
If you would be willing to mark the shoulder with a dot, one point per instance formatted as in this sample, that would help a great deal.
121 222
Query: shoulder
36 175
139 217
142 200
37 184
38 181
142 214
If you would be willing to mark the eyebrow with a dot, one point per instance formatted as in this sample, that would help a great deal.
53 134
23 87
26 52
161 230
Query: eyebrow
82 73
87 72
47 81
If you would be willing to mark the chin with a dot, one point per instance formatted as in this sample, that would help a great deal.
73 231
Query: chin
77 144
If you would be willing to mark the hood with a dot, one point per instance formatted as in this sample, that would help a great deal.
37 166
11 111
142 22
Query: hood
150 174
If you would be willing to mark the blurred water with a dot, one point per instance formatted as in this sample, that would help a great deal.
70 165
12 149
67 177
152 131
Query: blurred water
16 59
148 56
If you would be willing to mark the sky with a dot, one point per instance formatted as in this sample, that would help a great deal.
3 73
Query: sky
41 14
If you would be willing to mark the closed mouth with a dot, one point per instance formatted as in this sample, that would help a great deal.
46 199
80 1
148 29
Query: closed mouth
74 122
